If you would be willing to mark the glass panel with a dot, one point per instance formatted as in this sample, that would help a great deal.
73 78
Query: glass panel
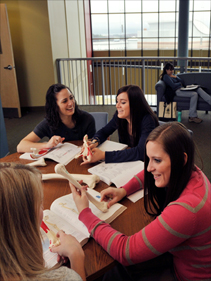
201 43
115 6
190 5
101 44
167 25
132 6
150 25
167 43
190 27
201 24
117 44
98 6
133 25
200 5
150 6
116 26
133 43
99 26
150 44
167 6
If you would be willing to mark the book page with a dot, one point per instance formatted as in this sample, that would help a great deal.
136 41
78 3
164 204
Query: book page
111 146
49 257
56 223
62 153
117 173
65 208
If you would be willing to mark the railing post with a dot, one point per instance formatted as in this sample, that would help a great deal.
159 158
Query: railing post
103 82
58 70
143 76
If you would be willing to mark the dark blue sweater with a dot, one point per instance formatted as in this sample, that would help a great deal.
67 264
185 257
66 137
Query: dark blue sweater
134 153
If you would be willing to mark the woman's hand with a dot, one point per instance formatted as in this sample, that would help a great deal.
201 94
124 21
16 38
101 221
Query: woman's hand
112 192
54 141
97 155
80 198
71 248
92 144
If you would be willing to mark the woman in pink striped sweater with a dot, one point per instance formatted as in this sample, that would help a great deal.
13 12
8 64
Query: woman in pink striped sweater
179 197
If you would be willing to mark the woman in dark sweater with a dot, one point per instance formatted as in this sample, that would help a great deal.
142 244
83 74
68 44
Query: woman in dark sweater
175 83
134 120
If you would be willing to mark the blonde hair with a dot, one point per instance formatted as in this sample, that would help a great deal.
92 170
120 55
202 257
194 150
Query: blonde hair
21 194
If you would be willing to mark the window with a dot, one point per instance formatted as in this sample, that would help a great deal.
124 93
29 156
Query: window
127 25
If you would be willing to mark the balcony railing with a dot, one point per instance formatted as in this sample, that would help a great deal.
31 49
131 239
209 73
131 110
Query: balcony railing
95 81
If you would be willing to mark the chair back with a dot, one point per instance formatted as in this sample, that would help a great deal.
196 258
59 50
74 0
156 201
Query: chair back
101 119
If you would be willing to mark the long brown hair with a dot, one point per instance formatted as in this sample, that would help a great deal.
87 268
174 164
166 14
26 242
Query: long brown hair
139 107
175 140
21 195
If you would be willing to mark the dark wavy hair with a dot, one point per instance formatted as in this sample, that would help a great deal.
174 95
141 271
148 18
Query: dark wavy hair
139 107
167 66
52 109
175 140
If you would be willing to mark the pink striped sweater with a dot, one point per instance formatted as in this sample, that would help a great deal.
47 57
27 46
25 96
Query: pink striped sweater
183 229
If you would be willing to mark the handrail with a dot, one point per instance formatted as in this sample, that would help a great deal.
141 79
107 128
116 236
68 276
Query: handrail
96 80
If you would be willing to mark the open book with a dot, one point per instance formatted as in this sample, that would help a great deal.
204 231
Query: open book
63 215
117 173
62 153
190 87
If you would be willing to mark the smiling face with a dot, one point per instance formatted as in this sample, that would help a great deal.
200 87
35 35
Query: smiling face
159 163
66 103
123 106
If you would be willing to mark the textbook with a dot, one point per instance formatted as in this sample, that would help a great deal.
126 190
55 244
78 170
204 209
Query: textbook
63 215
117 173
190 87
62 153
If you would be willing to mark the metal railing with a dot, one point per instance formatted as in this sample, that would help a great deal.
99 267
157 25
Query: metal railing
96 80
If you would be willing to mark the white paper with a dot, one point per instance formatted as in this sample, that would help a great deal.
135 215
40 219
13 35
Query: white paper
136 196
112 146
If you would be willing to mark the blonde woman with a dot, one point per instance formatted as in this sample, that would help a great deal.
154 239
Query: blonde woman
21 211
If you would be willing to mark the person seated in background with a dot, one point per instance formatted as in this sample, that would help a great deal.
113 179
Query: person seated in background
175 83
178 195
21 253
134 120
64 121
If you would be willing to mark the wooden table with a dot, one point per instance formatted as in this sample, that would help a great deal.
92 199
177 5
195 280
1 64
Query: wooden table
97 261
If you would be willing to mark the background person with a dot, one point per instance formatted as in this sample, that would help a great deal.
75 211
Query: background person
21 211
134 120
63 121
179 197
175 83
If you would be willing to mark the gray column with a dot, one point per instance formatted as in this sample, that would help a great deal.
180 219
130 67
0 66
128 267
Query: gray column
183 32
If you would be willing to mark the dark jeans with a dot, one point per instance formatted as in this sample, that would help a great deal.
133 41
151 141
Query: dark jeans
157 269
